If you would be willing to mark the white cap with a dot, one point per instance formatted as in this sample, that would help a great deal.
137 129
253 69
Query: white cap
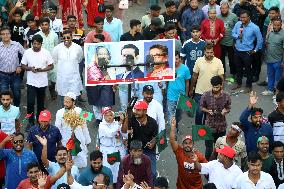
71 95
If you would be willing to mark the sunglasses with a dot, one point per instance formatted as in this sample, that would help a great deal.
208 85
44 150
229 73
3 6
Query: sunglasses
67 37
18 141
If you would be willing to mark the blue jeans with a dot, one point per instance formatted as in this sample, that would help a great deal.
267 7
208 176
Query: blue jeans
173 111
274 73
152 155
199 116
13 82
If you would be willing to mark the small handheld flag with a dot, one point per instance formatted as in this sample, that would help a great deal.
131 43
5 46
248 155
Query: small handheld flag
187 104
87 116
201 132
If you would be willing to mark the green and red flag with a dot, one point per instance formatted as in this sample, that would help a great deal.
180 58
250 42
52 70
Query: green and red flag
187 104
201 132
113 158
161 139
73 145
87 116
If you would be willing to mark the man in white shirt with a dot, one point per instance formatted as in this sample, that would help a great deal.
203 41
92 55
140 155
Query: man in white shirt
81 132
53 167
155 109
55 23
37 62
222 172
100 181
67 56
254 178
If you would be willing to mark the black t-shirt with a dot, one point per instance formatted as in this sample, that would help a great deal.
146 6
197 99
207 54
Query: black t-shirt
144 133
128 37
29 36
174 18
17 31
274 173
149 34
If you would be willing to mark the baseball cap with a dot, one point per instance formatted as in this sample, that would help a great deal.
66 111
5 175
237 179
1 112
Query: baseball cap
189 137
141 105
106 109
44 115
156 21
148 88
227 151
71 95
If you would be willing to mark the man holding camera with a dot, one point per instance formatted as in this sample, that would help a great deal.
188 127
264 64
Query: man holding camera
215 104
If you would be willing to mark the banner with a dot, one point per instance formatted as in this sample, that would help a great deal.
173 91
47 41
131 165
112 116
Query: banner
111 63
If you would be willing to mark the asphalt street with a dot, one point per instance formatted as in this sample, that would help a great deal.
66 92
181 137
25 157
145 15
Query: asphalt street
167 164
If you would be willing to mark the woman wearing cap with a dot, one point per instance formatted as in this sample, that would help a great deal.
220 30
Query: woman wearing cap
111 134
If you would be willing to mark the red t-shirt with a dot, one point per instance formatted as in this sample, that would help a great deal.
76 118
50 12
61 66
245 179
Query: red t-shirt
26 184
188 176
2 162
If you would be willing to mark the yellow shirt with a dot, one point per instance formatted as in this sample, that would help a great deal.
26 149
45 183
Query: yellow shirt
206 70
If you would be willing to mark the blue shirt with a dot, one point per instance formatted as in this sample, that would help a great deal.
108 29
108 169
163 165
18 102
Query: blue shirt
16 166
8 118
53 168
87 175
191 51
190 18
252 133
114 29
251 32
177 87
52 135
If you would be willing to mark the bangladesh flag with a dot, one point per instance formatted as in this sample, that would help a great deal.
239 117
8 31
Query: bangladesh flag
73 145
162 140
87 116
187 104
201 132
113 158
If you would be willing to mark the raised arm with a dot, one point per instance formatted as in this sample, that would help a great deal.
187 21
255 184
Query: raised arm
173 141
43 142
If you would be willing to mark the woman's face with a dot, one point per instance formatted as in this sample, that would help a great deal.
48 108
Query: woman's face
103 53
109 116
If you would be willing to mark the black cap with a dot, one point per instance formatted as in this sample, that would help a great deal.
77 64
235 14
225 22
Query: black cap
63 186
148 88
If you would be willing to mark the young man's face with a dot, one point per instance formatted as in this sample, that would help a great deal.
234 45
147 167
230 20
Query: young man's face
255 168
108 13
138 28
278 153
71 22
17 18
31 24
36 46
212 14
171 34
209 54
272 14
177 60
44 26
277 26
52 14
194 4
6 100
61 157
195 34
33 174
97 164
263 146
172 9
99 27
155 13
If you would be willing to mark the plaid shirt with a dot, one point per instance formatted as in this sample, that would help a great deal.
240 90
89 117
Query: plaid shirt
216 121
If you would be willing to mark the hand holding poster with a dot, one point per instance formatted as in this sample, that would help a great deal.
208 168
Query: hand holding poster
111 62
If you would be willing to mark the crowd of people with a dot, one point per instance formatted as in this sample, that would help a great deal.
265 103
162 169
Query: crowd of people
42 45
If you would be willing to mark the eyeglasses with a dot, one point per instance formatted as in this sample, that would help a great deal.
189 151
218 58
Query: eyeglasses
18 141
67 37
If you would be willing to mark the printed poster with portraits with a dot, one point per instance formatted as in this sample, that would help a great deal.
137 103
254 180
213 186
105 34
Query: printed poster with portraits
123 62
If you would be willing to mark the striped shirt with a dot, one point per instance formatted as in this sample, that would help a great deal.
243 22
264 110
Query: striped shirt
9 56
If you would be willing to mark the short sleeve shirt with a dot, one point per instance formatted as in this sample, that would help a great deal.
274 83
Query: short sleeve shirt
53 168
188 176
8 118
52 135
206 70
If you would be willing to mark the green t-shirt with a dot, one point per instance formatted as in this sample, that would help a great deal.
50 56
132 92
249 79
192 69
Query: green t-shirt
267 163
229 23
274 47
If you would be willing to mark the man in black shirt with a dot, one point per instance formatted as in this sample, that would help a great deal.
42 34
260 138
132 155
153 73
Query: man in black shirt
145 129
277 170
16 24
153 30
135 32
30 31
171 15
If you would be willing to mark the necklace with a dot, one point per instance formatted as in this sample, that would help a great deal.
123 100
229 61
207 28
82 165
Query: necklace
280 169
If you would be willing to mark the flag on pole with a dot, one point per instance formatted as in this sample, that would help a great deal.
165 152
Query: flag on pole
161 139
87 116
73 145
201 132
113 158
187 104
